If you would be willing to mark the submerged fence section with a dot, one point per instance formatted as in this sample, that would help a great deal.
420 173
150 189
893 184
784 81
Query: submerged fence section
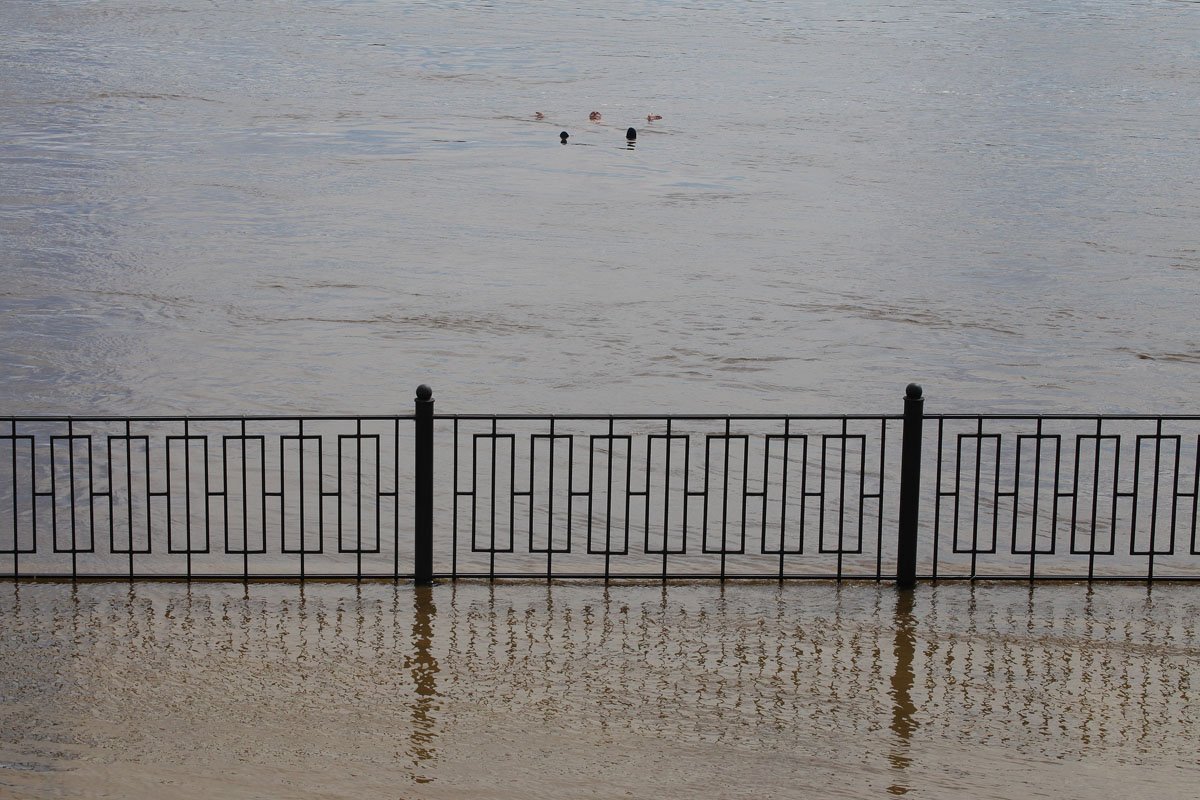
1061 496
903 496
218 497
660 497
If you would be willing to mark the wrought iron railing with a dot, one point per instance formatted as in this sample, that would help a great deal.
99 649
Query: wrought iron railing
1063 496
846 497
659 497
205 496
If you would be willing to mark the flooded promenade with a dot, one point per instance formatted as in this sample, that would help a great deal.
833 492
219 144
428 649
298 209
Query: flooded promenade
534 691
311 207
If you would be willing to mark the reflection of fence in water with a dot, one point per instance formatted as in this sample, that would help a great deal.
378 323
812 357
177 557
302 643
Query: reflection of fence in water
1054 669
196 497
1065 672
1062 496
658 497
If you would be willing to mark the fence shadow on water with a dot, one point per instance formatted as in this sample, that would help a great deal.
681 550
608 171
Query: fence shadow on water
848 497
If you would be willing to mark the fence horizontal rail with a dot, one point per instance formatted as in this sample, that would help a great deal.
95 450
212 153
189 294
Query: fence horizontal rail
622 496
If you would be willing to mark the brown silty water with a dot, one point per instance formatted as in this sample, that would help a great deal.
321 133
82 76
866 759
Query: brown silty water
586 690
311 207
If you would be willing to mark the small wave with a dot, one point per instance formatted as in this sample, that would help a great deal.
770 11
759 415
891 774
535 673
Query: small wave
149 96
15 765
1181 358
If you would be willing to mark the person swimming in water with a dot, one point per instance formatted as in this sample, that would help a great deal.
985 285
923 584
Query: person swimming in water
594 116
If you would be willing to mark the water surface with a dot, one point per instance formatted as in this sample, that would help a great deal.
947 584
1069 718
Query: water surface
215 207
528 691
313 206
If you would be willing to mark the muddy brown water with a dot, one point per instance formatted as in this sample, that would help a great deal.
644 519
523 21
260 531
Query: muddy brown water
582 690
217 207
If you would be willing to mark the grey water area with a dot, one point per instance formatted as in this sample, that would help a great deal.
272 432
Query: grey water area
310 207
214 207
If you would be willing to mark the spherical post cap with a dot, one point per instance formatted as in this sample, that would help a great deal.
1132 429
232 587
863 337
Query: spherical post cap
913 391
424 393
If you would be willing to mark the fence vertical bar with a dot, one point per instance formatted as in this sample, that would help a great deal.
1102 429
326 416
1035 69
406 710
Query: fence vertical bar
910 487
423 533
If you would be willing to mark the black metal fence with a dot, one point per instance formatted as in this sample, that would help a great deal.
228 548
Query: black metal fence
846 497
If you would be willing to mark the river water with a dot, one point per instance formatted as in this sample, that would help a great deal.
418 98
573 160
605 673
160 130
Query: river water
214 207
209 207
526 691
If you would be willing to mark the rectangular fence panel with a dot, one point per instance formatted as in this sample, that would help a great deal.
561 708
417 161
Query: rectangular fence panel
1062 498
206 497
1015 497
666 497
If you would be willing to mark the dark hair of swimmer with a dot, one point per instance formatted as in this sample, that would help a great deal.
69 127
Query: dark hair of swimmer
563 136
631 134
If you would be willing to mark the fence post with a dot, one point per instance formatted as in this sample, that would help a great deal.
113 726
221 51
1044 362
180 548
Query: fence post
910 487
423 534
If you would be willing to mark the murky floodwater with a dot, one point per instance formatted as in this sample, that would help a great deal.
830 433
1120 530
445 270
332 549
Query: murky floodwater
216 207
213 206
528 691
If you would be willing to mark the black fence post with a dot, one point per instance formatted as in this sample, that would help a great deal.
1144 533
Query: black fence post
423 538
910 487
